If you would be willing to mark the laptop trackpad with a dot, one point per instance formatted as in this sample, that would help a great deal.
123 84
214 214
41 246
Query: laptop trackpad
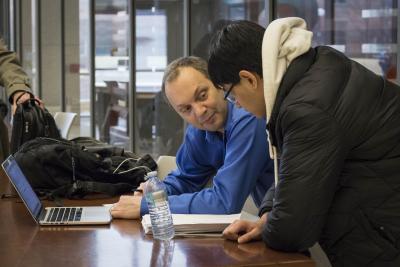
95 213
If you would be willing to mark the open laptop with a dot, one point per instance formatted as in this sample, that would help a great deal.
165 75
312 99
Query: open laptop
52 215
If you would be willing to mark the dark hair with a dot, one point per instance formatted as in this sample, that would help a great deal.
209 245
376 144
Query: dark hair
173 69
234 48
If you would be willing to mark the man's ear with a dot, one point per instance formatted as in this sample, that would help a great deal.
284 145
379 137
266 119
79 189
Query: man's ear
248 78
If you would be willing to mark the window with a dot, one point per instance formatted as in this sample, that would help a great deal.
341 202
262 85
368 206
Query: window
366 31
209 16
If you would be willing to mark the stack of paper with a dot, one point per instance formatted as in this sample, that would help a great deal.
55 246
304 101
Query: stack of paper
199 224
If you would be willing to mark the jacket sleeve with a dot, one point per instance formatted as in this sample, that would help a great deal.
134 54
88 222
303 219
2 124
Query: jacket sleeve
12 76
268 200
312 156
245 156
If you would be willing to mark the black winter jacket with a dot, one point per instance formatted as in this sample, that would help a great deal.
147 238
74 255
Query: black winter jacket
336 126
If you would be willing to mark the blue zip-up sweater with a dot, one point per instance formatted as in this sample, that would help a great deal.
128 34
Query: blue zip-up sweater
239 160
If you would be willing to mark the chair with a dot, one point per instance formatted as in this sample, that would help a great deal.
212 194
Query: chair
64 122
167 163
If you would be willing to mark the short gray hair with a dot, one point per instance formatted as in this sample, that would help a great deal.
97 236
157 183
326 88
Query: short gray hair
173 69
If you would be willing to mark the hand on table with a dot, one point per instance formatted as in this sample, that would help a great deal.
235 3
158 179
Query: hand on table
245 231
128 207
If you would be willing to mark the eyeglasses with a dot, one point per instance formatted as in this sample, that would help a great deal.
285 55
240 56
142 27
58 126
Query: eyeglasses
228 96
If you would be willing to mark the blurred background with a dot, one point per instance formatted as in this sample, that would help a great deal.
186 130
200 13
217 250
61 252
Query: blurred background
104 59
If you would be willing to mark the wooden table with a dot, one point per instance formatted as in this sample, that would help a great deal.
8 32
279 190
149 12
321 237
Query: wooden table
23 243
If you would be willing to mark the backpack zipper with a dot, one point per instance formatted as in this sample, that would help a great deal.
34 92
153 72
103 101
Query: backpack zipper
73 168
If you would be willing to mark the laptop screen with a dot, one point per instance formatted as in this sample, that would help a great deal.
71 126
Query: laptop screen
22 185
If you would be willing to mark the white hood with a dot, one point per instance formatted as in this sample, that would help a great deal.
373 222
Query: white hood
284 40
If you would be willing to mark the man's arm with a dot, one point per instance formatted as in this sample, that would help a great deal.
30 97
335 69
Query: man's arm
190 176
12 76
312 158
245 158
194 169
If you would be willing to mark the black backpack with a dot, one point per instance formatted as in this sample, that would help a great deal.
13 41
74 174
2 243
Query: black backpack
31 121
59 168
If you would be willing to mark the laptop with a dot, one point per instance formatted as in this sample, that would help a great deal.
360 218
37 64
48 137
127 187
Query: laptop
52 215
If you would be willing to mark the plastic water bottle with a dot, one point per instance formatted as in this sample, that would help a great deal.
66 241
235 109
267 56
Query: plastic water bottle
157 202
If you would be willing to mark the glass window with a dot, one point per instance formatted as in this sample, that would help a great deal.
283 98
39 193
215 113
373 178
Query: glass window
112 87
4 34
208 16
41 54
77 64
5 21
76 56
159 40
364 30
27 54
50 73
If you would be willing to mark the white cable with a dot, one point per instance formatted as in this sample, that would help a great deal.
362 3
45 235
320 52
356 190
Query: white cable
125 160
135 168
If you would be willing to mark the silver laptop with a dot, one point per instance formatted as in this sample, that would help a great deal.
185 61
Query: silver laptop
52 215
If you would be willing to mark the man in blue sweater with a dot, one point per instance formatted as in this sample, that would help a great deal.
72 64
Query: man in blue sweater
221 141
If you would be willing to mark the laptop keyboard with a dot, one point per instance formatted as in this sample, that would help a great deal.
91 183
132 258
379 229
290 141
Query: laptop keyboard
65 214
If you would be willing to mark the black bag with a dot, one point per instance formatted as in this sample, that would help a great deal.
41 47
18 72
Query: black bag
62 168
31 121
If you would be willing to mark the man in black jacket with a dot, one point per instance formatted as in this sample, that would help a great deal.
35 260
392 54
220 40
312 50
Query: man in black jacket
334 132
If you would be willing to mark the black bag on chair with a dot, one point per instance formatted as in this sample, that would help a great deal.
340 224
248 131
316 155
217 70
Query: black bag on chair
31 121
61 168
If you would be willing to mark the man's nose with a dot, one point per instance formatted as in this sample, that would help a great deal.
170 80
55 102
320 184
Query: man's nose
200 110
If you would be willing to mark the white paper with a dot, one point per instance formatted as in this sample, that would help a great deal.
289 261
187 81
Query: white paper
200 224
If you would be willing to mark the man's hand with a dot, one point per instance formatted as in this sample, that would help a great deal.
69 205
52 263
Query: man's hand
128 207
22 96
244 231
